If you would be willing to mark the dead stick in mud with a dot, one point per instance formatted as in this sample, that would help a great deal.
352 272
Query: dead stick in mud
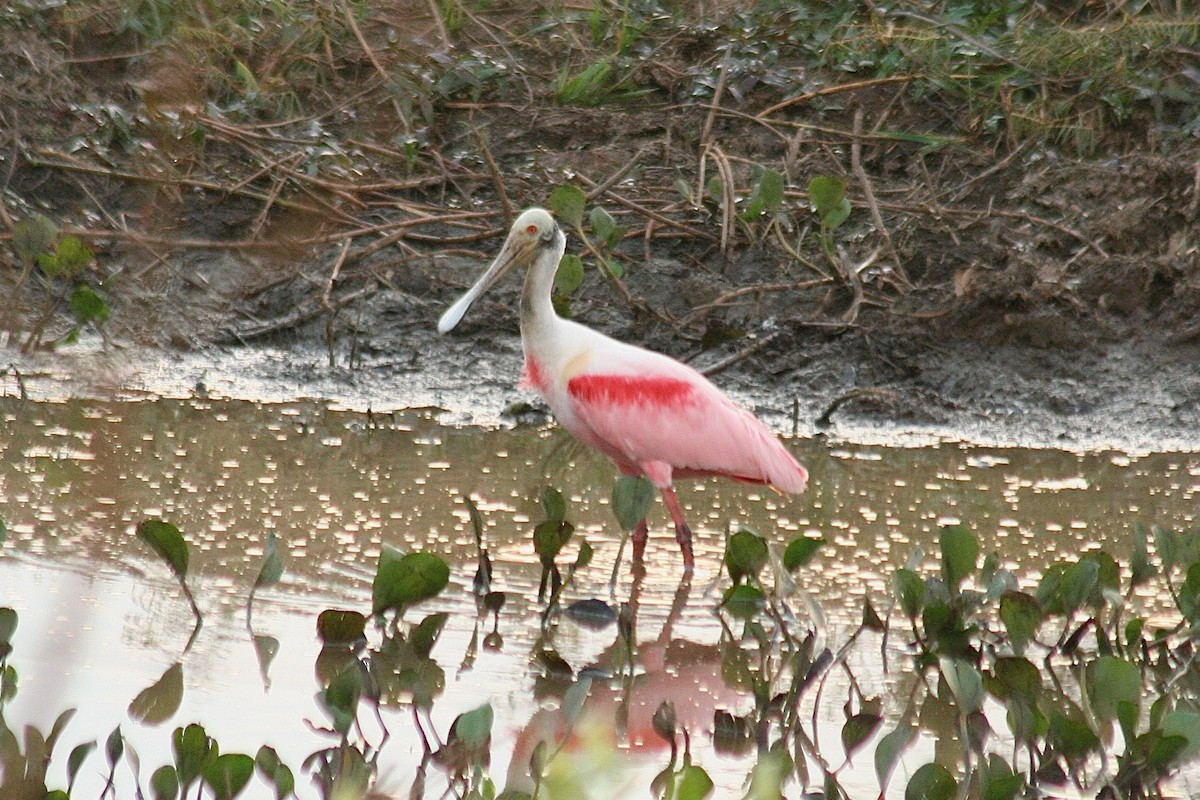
740 355
828 90
612 180
649 213
333 276
370 54
497 180
868 193
721 300
825 419
297 318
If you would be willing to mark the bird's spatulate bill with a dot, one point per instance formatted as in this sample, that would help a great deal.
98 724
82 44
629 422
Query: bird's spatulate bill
454 314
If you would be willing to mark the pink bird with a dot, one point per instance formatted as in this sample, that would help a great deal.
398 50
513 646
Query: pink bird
650 414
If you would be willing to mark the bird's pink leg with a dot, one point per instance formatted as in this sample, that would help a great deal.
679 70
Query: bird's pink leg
683 534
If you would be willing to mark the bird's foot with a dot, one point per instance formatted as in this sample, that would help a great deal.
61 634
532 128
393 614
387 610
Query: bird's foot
683 535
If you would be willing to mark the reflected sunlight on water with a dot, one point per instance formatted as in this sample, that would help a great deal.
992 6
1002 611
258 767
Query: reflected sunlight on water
100 619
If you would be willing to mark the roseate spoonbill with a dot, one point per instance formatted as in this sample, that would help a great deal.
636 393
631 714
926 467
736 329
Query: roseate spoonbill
650 414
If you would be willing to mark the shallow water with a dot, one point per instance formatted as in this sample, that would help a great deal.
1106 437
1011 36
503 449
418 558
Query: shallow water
101 619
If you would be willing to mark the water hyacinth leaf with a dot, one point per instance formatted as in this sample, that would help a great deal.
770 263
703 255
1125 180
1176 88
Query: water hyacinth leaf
554 504
568 201
158 702
278 774
965 683
272 564
338 627
694 784
746 554
425 635
164 783
340 698
998 780
1078 581
931 782
960 550
33 237
1114 681
1021 614
800 551
114 746
1185 724
8 624
826 194
549 538
228 775
75 760
474 728
88 306
584 556
743 600
193 749
569 275
166 540
1141 570
857 729
910 592
889 750
573 699
401 580
632 497
1071 737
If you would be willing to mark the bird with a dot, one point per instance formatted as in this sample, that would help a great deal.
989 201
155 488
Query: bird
648 413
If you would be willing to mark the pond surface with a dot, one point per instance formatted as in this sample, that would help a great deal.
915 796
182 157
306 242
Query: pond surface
102 619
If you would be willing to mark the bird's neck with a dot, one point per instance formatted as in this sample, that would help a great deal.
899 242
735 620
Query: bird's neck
538 318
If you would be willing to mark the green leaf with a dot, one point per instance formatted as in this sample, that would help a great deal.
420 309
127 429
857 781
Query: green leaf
8 624
1185 724
164 783
743 600
554 504
746 554
569 274
826 194
340 698
194 750
79 754
573 699
272 564
166 540
1113 681
694 784
401 580
998 780
931 782
836 216
632 497
889 750
71 256
602 223
568 201
1021 615
88 306
800 551
1141 570
910 592
549 539
338 627
965 683
158 702
228 775
767 197
114 746
272 769
474 728
33 237
425 635
857 729
960 550
1071 737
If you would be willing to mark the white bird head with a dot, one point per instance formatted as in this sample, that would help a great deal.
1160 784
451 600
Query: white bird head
535 232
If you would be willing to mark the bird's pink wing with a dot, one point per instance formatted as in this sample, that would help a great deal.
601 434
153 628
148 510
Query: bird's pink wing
670 413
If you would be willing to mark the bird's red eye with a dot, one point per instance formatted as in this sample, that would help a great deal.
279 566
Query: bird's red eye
531 230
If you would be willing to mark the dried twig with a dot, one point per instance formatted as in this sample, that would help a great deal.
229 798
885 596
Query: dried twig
861 174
